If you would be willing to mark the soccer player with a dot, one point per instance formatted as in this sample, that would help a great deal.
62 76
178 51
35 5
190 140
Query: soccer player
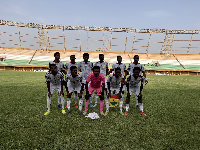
60 67
67 66
54 81
74 83
97 84
133 84
132 66
123 70
86 67
103 70
115 85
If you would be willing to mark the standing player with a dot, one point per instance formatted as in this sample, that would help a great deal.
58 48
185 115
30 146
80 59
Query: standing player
123 70
97 83
60 67
103 70
67 66
115 85
54 81
133 84
132 66
86 67
74 83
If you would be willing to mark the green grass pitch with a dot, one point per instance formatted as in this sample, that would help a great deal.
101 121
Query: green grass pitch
172 104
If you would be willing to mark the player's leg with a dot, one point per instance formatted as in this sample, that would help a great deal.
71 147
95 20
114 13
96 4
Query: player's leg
52 88
101 97
69 101
75 97
120 103
78 89
128 100
140 103
87 97
107 103
61 98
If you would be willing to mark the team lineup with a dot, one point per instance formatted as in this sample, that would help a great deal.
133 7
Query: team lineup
93 79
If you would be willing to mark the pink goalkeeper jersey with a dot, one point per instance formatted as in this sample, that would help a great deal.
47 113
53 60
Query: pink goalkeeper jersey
95 81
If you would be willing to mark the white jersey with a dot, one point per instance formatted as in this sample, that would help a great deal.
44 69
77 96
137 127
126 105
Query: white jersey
115 83
60 65
85 68
133 82
121 66
54 79
74 81
103 67
132 66
68 65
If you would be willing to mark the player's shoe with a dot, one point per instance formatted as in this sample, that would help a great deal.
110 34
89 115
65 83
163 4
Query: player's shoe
123 106
126 113
95 105
75 106
121 112
59 107
47 112
137 107
80 112
142 113
65 106
68 112
91 105
102 113
106 113
63 112
84 113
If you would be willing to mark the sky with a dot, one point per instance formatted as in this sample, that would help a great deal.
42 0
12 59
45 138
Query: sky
146 14
170 14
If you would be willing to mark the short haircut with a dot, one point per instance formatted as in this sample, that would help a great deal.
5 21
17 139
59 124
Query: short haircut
85 54
136 68
96 67
119 56
56 54
73 67
101 55
118 69
136 56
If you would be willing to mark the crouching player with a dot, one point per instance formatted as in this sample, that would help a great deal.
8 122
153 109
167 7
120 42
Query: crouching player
115 85
54 81
74 84
133 84
97 83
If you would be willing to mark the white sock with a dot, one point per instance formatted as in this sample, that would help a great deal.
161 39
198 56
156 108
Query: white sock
91 97
76 97
62 101
80 104
107 104
120 104
48 102
68 103
122 98
127 107
59 99
96 97
141 106
136 100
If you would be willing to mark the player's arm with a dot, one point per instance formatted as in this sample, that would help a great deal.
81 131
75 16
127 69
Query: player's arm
103 87
64 71
66 78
